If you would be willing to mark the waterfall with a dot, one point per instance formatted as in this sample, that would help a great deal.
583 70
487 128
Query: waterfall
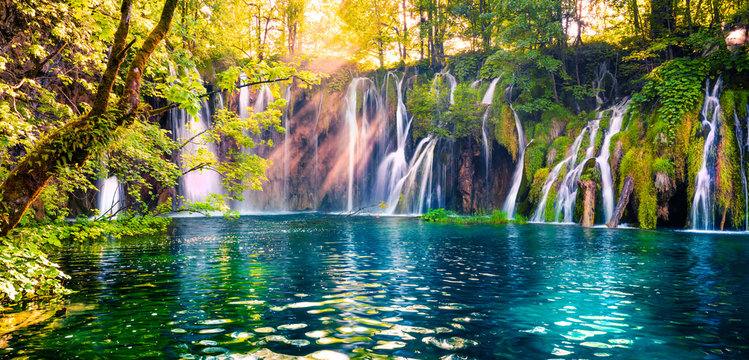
421 164
569 162
453 85
264 97
450 79
195 185
742 143
607 180
110 196
353 135
517 176
702 203
489 94
567 193
487 100
394 166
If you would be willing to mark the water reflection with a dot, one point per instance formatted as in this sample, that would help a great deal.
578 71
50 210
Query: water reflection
366 287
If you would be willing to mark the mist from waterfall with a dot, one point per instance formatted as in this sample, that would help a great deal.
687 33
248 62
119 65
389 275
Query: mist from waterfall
195 185
110 199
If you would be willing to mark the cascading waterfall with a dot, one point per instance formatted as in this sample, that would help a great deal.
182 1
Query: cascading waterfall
263 98
110 196
607 180
487 100
453 85
569 162
408 187
394 166
567 192
421 164
195 185
564 203
702 203
354 135
517 176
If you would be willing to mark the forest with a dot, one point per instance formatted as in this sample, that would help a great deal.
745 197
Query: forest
385 107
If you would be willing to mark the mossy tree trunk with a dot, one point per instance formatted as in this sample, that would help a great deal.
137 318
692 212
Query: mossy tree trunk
73 144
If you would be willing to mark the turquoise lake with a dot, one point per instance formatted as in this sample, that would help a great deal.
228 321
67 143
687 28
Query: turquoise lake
332 287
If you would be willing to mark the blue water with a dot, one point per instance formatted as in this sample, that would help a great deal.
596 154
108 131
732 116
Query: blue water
367 287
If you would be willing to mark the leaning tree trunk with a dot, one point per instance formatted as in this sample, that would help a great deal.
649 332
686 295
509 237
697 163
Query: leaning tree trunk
627 188
74 143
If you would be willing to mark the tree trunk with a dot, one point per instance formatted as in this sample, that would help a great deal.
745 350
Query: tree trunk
554 86
589 203
73 144
636 17
660 17
405 32
624 196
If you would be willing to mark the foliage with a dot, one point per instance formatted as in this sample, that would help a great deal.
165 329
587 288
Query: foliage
434 115
497 217
539 177
561 146
466 65
535 158
728 194
664 165
26 272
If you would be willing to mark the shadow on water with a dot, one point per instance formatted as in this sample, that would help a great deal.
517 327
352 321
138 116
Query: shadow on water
366 286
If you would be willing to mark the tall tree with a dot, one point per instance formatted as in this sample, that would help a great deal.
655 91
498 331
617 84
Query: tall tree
74 143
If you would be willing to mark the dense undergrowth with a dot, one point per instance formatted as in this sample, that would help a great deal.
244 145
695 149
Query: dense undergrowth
26 270
497 217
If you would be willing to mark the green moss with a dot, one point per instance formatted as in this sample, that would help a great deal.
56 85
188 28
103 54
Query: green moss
535 157
561 144
729 194
550 215
505 132
638 164
539 177
679 151
555 116
665 166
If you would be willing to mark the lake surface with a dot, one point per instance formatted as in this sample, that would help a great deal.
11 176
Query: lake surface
366 287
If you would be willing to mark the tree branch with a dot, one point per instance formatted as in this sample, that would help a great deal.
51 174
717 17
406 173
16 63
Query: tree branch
101 99
33 73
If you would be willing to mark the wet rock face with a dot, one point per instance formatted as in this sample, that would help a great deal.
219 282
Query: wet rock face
466 173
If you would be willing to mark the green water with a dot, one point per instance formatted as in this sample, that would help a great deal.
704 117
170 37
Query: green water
367 287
